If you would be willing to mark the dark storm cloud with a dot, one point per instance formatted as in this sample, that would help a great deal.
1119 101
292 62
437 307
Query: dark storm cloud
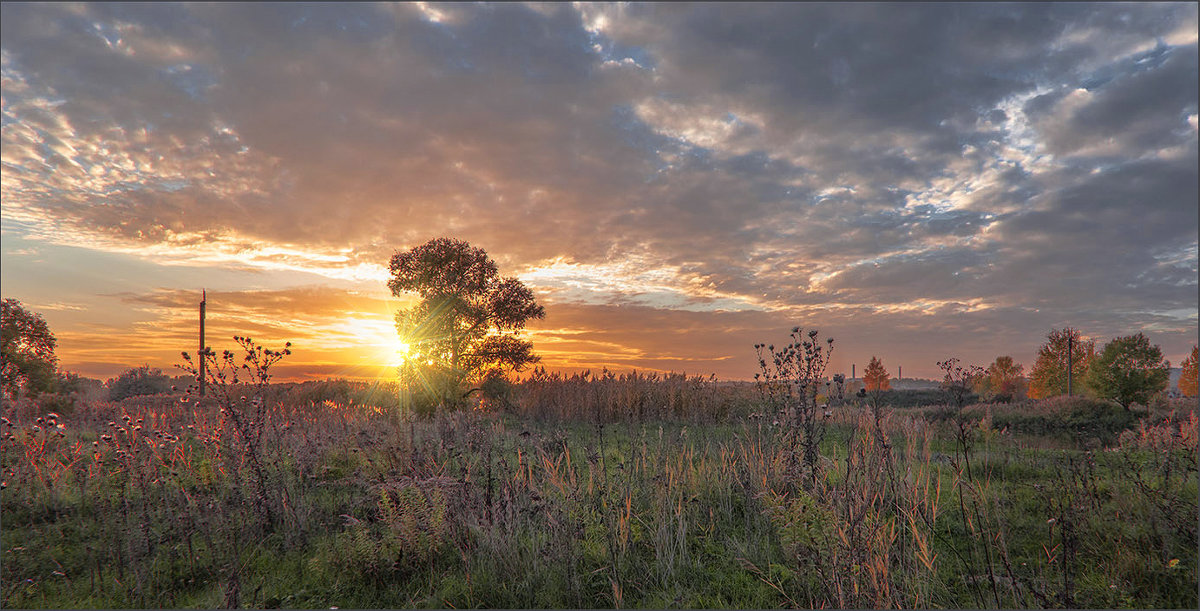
1031 160
1140 106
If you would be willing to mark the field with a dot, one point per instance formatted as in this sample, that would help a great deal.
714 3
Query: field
596 491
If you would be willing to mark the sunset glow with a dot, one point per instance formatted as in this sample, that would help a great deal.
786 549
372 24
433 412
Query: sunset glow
674 182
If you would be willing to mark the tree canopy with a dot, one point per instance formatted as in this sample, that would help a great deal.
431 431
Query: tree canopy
1189 378
136 382
876 377
1003 380
468 322
1048 378
26 351
1129 370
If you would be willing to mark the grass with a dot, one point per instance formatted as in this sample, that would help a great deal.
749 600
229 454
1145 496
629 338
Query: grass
597 491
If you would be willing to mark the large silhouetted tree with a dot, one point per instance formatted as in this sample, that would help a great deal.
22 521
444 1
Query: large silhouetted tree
468 323
26 351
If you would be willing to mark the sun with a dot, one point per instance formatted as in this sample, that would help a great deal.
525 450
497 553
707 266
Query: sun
375 341
391 351
401 352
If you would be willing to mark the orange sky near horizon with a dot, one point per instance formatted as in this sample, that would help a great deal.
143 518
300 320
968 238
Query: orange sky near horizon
349 334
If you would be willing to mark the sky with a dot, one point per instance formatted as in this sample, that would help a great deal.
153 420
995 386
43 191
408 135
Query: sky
676 182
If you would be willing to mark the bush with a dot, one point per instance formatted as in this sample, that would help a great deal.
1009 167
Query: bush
920 398
1083 420
496 388
138 382
69 390
379 394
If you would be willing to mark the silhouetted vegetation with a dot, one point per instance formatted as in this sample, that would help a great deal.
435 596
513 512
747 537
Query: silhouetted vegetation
466 328
138 381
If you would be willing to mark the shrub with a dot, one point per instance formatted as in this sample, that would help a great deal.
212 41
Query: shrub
1083 420
920 398
137 382
383 395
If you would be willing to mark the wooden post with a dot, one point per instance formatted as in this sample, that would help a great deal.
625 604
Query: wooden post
203 352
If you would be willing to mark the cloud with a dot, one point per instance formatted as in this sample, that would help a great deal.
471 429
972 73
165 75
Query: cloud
1138 106
1007 164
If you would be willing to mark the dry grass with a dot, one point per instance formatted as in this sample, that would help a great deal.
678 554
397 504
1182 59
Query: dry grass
594 491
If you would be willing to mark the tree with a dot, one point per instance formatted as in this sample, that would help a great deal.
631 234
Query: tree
1129 370
1049 375
137 382
467 325
1002 381
1188 378
876 377
26 351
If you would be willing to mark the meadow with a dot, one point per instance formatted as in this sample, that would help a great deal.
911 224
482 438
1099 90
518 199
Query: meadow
601 490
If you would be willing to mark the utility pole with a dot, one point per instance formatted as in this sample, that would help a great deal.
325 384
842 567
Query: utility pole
203 352
1070 346
852 376
900 372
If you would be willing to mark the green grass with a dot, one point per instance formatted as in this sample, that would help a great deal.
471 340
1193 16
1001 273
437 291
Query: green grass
359 509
